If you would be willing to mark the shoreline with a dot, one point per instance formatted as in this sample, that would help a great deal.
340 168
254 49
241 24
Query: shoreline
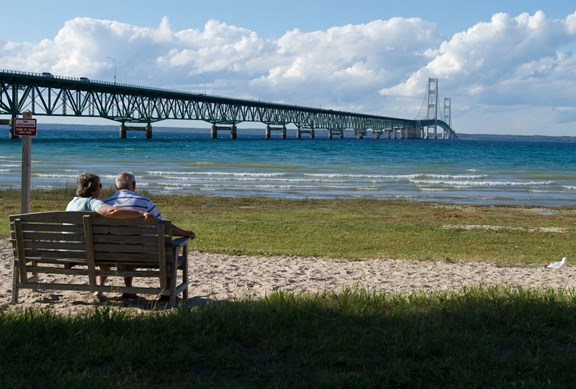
217 277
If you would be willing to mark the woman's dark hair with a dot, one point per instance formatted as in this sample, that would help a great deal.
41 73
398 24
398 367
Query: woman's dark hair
86 184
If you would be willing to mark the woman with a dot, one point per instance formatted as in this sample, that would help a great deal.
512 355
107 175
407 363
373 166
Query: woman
88 190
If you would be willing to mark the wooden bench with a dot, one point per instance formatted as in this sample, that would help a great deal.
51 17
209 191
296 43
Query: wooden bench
77 243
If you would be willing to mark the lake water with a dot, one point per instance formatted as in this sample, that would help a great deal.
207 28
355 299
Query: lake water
186 161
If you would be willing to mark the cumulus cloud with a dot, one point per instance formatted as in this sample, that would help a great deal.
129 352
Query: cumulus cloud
350 57
509 60
381 67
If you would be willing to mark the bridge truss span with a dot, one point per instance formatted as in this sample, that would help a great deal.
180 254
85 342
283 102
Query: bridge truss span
47 95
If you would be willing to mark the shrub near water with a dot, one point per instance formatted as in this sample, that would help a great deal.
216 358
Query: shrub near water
481 337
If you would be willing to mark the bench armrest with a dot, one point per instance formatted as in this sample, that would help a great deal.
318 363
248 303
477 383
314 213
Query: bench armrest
180 241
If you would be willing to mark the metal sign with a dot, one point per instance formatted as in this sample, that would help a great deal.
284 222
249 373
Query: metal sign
24 127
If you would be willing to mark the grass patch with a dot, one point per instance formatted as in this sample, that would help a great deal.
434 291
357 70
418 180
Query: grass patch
480 337
355 229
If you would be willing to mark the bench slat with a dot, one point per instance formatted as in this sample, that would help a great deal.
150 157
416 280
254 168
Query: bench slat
126 248
56 261
124 229
31 255
53 227
56 245
126 257
152 240
51 236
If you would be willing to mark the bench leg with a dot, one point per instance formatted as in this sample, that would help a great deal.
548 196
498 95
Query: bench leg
15 284
172 286
185 277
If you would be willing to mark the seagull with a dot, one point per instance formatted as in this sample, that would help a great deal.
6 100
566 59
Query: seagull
557 265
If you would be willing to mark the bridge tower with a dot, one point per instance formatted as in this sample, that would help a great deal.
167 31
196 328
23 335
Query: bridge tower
447 113
432 112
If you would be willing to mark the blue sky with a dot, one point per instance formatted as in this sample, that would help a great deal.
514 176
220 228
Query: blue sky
508 66
268 18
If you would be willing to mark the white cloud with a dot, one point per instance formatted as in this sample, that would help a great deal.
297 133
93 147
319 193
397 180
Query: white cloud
218 48
571 23
384 50
508 60
507 64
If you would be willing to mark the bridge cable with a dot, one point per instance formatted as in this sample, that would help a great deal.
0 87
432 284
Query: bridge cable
424 98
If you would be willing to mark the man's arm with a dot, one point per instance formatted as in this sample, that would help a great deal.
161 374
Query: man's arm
180 232
122 213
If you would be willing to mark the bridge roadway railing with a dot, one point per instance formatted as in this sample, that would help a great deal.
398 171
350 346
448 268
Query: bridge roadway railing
48 95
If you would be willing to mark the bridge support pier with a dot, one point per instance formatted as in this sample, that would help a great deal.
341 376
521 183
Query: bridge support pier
434 134
300 131
360 134
376 134
124 128
8 122
270 129
214 131
340 133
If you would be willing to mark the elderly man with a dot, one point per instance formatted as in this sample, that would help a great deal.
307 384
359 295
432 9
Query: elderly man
126 197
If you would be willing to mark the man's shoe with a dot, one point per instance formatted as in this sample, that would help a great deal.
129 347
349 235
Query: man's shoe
100 296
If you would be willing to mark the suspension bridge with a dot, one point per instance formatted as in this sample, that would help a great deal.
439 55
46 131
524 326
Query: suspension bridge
135 108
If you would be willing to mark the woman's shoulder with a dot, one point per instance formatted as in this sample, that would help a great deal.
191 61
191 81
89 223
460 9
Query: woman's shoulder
84 204
76 204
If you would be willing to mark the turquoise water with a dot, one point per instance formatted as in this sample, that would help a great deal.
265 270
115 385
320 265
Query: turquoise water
189 162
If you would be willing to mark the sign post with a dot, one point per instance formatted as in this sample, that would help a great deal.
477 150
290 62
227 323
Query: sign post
25 127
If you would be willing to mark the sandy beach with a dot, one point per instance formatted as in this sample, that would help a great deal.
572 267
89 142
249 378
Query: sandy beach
225 277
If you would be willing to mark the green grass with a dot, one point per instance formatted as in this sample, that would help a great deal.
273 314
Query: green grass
497 337
356 229
481 337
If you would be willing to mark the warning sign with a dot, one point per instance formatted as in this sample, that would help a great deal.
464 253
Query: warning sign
24 127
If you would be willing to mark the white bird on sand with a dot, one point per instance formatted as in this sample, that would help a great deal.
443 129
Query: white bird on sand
557 265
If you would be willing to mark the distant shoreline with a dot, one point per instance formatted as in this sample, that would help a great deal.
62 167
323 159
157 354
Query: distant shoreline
160 127
524 138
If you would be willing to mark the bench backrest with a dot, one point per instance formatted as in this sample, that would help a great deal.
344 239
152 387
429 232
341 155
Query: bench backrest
87 237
